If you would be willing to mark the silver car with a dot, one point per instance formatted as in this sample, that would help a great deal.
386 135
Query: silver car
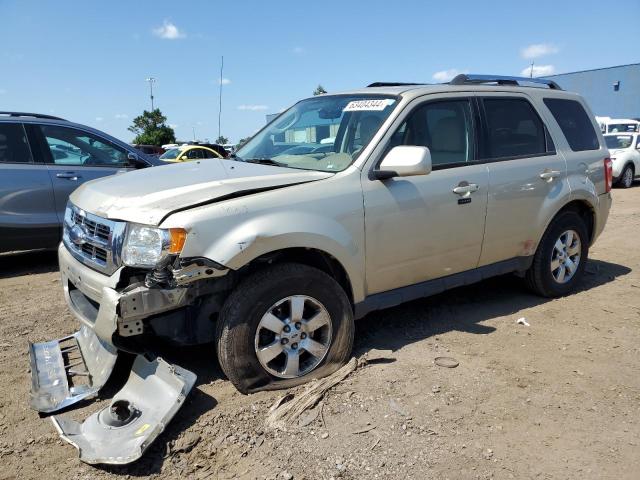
42 160
274 253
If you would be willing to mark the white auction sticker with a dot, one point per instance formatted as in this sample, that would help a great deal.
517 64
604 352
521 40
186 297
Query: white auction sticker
367 105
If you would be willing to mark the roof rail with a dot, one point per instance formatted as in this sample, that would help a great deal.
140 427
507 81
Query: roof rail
465 79
392 84
34 115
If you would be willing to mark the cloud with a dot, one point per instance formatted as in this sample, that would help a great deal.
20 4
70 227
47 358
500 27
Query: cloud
168 31
224 81
121 116
538 50
538 71
99 119
173 125
253 108
298 50
446 75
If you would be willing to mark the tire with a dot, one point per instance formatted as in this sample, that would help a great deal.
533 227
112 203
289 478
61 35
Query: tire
241 334
542 278
626 177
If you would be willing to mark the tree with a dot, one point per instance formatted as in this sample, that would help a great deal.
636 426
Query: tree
150 129
319 90
221 140
242 141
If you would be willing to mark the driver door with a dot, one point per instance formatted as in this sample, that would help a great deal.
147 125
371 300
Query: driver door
74 156
424 227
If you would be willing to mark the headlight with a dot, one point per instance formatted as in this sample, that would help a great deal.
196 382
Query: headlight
146 247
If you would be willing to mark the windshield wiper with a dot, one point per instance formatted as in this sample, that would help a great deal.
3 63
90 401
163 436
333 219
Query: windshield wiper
265 161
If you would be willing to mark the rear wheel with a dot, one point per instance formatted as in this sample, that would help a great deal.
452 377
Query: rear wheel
283 326
559 262
626 178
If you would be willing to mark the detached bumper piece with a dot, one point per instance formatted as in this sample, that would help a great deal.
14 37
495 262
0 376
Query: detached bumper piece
68 370
121 432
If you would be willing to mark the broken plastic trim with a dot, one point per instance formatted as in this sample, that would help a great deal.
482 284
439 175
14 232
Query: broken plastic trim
120 433
57 364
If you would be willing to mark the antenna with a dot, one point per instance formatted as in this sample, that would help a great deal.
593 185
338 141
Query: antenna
531 72
220 98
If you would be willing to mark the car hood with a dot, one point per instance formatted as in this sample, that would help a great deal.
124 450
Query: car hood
147 196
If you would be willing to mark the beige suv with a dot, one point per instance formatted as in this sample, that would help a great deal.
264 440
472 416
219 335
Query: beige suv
272 254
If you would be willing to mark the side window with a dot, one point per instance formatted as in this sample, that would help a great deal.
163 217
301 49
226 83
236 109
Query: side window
208 154
574 123
445 127
195 154
69 146
514 129
14 147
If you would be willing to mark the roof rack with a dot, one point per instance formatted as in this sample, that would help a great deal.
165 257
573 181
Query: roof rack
392 84
465 79
34 115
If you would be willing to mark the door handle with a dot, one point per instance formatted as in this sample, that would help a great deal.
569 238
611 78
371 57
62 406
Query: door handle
465 188
68 175
549 175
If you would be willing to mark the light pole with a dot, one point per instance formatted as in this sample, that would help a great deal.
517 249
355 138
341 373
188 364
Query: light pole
220 98
151 81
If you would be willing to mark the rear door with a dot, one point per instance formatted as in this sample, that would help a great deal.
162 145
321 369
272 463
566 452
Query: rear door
28 218
527 176
75 156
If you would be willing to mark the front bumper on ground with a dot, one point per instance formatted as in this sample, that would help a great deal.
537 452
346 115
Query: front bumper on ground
76 367
137 414
68 370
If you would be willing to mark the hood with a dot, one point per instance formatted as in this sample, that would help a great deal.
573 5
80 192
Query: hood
147 196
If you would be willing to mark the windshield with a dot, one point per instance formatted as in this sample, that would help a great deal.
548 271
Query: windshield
623 127
618 141
325 133
171 154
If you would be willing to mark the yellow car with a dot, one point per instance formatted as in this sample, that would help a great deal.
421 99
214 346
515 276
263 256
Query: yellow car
187 153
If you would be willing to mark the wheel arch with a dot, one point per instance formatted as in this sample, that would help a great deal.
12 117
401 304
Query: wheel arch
311 257
583 208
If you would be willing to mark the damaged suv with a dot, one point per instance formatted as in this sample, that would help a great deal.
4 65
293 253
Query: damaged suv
272 254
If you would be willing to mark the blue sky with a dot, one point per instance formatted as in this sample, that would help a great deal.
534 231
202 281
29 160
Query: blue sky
87 61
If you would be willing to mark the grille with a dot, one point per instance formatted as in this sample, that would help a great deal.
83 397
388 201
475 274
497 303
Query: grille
95 253
93 240
93 228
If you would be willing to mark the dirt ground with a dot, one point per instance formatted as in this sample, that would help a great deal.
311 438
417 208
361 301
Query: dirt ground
557 399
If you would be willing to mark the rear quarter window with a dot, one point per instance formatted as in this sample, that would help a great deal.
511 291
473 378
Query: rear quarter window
574 123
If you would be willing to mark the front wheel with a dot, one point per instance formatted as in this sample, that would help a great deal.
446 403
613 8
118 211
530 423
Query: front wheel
283 326
559 262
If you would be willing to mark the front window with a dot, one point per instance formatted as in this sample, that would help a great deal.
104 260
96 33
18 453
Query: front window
623 127
325 133
171 154
618 141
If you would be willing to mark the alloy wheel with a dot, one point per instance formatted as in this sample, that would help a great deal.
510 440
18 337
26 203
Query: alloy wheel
565 256
293 336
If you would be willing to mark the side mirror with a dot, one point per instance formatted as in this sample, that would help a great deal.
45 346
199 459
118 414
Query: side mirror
405 161
135 160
